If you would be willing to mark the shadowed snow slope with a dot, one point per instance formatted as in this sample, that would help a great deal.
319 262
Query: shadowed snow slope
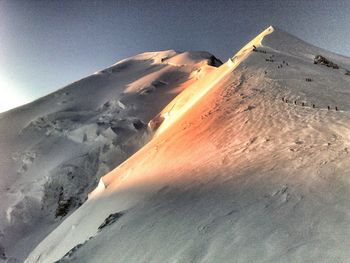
53 151
249 163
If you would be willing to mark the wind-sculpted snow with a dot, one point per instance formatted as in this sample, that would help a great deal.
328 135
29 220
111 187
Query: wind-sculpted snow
248 164
54 150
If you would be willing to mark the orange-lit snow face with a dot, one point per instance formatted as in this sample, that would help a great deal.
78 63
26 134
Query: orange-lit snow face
174 112
189 97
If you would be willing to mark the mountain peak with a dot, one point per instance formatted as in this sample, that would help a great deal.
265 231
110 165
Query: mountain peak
271 28
275 39
255 42
200 153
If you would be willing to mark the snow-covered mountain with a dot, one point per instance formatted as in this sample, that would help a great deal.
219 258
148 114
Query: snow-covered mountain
246 162
54 150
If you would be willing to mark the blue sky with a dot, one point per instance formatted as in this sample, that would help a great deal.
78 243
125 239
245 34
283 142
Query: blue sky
45 45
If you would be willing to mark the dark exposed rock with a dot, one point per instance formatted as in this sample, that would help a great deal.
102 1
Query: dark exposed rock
111 219
323 61
138 124
70 253
215 62
63 205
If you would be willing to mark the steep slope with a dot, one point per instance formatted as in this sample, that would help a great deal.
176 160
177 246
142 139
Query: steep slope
248 165
54 150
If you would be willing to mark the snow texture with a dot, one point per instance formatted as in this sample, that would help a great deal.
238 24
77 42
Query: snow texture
248 163
53 151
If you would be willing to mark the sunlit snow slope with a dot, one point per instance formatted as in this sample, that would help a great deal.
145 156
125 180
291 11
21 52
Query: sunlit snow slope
249 164
53 151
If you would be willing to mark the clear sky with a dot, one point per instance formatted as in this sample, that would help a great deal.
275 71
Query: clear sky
45 45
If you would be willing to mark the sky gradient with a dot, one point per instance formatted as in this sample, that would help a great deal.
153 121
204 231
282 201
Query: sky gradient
45 45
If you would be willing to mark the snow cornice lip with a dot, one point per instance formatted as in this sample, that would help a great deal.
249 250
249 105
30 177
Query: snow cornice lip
257 41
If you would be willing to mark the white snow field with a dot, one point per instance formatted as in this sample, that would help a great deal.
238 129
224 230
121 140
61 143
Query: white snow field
53 151
248 163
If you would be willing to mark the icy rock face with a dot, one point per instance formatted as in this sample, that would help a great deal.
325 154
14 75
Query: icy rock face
68 184
249 163
53 151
